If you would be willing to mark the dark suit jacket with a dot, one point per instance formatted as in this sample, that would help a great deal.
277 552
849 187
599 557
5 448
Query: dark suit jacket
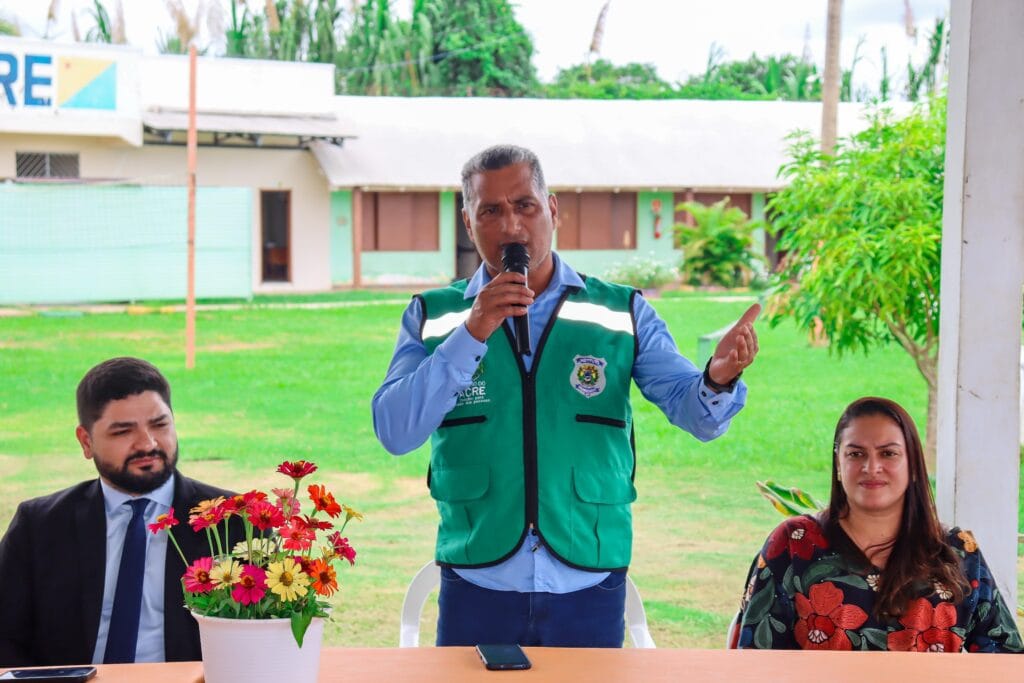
52 563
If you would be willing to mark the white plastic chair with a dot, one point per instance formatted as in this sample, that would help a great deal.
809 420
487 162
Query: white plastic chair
429 577
732 634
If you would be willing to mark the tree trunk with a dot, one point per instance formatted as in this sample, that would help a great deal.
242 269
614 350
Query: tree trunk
830 81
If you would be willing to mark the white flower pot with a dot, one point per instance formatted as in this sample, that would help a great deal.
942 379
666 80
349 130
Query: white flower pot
256 650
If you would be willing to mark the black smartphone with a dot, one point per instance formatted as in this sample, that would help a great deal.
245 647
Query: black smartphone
503 657
63 674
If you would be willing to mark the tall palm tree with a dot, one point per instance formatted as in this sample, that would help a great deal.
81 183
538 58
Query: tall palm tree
831 79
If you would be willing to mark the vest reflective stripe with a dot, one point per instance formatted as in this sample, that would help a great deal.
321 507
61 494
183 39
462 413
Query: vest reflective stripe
439 327
616 321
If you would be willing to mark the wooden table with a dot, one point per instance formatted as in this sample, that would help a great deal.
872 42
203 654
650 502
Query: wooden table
460 664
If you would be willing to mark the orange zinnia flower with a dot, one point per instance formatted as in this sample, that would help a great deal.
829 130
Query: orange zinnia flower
325 581
324 500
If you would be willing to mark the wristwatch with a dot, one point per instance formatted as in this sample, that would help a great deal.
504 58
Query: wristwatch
715 386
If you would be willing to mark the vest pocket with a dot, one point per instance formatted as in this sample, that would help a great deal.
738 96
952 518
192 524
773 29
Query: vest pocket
600 420
453 485
603 487
459 421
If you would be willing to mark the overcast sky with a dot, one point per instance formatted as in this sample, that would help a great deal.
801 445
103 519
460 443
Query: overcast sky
674 35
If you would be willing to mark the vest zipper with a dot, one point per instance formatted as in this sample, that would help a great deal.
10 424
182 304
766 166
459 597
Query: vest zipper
530 410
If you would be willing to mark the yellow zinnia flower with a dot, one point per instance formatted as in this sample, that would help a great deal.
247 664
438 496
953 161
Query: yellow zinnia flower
350 513
286 579
225 573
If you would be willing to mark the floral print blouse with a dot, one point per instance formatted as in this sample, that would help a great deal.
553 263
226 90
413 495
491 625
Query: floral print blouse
803 594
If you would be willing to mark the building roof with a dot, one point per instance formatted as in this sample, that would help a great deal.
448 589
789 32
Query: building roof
228 128
410 143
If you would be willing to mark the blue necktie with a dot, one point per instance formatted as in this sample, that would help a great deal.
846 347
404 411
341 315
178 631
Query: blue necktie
124 617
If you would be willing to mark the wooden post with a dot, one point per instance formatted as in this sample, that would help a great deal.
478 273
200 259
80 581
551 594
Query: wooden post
357 238
190 298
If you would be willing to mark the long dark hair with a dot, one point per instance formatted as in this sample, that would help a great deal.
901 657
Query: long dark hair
920 554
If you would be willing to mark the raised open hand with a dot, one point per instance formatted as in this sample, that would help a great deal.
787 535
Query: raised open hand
736 350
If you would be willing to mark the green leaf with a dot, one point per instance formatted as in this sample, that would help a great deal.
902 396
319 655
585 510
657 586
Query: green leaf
817 571
777 625
300 622
855 639
763 636
759 604
877 637
852 580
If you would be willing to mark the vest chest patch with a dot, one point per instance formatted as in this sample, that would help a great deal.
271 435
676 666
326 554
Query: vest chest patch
588 375
476 392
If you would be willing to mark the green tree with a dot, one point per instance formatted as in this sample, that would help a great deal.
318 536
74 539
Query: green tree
785 77
383 55
862 233
480 49
718 247
923 81
603 80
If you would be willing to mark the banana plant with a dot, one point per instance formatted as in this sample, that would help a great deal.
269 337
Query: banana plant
789 501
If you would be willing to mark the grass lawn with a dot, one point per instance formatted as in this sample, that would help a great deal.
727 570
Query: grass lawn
278 383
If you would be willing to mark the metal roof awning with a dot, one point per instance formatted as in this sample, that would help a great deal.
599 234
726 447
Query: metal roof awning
233 129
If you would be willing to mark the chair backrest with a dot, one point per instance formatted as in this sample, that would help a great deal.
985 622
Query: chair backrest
732 634
429 577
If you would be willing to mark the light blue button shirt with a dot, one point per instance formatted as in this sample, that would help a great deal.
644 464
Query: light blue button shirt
420 389
150 645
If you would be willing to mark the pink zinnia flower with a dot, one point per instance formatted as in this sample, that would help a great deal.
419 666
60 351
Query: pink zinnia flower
286 502
296 470
197 576
251 586
342 548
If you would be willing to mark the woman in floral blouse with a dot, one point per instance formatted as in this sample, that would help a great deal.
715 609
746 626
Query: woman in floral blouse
875 570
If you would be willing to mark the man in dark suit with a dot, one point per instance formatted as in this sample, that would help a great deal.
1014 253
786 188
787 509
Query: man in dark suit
64 598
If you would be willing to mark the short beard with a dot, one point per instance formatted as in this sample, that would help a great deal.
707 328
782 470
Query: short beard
139 484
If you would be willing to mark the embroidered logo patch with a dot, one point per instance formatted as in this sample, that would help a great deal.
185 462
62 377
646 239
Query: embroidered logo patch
587 376
476 392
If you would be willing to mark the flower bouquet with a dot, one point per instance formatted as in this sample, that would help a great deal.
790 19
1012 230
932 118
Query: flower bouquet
281 564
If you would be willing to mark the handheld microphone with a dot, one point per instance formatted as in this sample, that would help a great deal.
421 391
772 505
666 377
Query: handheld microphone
516 260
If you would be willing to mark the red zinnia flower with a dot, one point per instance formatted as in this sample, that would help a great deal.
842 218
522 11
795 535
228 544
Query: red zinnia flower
251 586
342 548
296 470
264 516
314 523
325 581
800 534
304 562
296 536
824 618
324 500
164 521
927 628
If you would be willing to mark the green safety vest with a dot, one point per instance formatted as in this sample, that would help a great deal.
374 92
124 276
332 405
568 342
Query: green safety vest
552 448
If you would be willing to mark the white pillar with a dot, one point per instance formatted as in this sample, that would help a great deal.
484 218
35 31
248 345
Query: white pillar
982 276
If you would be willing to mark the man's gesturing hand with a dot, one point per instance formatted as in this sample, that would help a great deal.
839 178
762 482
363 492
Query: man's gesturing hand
736 350
505 296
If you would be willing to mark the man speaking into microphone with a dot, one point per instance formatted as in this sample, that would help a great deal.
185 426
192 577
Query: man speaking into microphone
520 377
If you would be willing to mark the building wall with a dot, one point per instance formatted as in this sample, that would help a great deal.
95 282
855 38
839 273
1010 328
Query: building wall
64 243
255 169
392 267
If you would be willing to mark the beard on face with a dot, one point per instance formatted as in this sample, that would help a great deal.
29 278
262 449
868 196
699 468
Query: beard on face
143 482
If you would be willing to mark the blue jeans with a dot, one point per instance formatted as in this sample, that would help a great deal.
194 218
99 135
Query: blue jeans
471 615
